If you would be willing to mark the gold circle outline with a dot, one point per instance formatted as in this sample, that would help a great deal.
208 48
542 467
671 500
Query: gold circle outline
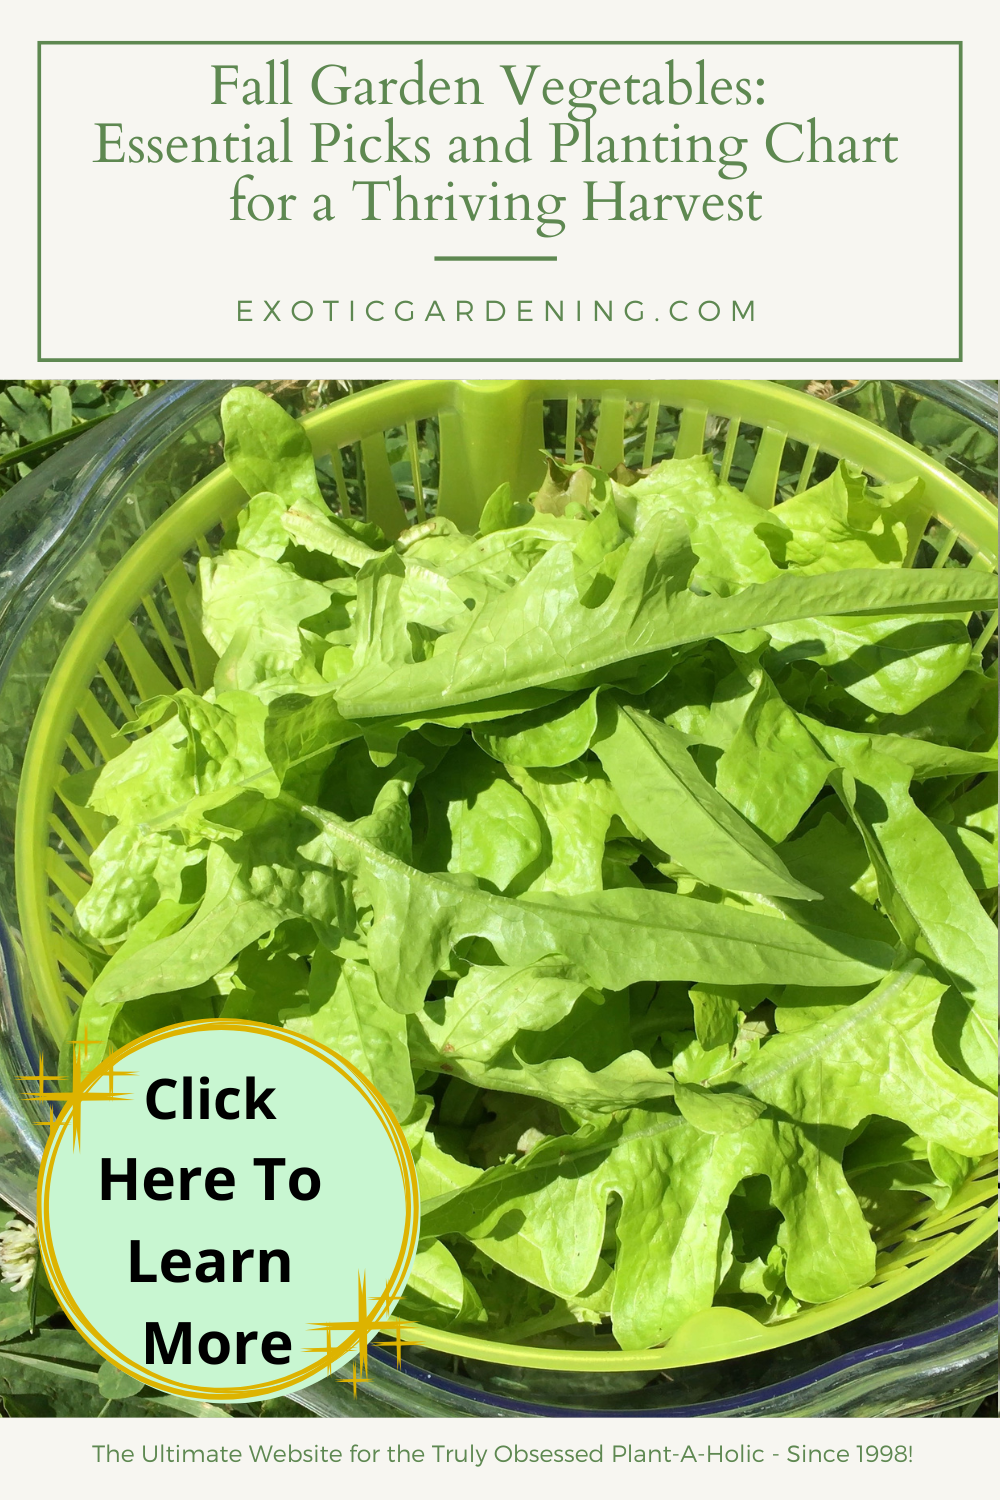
394 1285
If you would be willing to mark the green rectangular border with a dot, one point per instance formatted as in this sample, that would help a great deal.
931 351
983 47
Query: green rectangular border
509 360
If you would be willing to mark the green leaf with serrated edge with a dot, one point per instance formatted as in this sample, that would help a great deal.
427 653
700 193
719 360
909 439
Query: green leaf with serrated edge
254 881
478 568
724 525
321 533
134 868
351 1018
663 791
619 937
206 756
761 1278
843 522
883 1188
668 1268
252 611
517 1301
440 1176
162 788
300 730
269 451
205 750
261 529
266 449
430 600
668 1263
538 633
921 886
563 1081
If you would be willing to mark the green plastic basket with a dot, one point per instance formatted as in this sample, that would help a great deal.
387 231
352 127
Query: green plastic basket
139 637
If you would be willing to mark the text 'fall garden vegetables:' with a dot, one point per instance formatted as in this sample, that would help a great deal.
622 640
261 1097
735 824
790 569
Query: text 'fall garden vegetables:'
641 849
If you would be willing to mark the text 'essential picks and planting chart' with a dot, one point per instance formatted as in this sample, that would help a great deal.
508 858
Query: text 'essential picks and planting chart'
643 203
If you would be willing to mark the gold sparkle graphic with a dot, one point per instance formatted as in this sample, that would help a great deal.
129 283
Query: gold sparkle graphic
77 1095
362 1328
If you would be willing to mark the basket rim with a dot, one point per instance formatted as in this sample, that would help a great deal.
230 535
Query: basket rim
681 1351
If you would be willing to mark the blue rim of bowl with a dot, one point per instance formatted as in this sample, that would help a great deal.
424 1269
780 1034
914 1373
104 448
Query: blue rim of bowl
817 1375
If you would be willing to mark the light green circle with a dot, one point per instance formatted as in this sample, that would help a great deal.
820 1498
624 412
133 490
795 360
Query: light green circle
359 1224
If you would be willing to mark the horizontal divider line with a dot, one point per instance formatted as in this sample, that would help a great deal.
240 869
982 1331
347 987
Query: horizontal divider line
496 257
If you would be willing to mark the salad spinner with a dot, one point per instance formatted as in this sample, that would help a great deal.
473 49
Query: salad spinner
106 600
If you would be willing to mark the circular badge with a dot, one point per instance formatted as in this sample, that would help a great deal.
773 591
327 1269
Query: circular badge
227 1210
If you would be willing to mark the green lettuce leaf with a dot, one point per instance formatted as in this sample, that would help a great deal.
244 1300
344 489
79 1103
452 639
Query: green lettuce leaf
663 791
922 888
539 633
619 937
351 1018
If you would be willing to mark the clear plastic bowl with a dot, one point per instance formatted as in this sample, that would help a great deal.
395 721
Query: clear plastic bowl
930 1350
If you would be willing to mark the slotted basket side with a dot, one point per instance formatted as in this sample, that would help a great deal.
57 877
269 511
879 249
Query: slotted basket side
139 637
493 431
